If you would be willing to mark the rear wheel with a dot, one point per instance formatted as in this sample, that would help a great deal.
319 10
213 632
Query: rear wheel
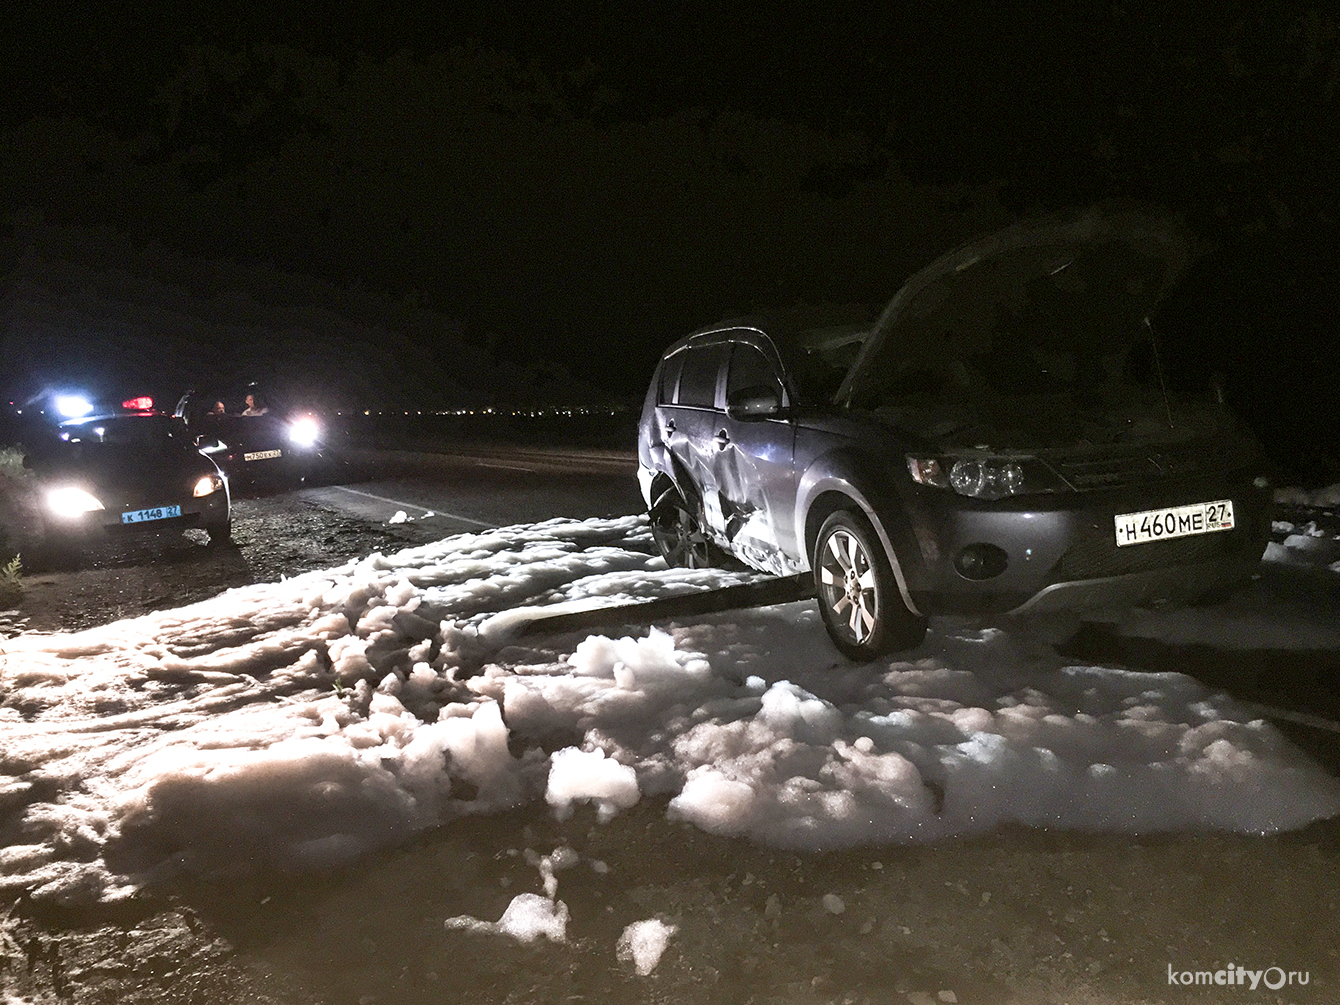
857 592
678 531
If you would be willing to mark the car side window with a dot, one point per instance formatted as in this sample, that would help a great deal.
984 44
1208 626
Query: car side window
698 379
749 367
665 394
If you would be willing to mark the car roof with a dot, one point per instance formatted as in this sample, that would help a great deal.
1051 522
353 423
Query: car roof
794 323
795 331
83 420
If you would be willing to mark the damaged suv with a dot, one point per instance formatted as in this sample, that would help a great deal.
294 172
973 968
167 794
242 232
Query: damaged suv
999 441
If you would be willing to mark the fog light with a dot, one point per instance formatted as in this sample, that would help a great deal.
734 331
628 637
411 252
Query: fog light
980 561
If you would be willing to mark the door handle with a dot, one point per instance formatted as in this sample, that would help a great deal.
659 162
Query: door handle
722 439
669 426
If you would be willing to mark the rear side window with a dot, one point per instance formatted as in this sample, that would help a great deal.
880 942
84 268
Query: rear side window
665 394
698 379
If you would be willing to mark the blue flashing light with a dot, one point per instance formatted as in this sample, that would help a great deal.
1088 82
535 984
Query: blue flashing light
73 406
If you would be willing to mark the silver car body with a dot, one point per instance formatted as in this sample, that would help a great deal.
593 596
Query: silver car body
763 483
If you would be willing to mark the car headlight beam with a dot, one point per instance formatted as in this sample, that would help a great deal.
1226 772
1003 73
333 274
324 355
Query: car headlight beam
69 501
304 432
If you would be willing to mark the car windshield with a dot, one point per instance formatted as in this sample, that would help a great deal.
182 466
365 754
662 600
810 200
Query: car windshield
824 357
1036 322
216 405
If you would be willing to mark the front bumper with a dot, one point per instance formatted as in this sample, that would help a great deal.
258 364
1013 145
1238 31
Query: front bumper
1175 584
1062 553
106 524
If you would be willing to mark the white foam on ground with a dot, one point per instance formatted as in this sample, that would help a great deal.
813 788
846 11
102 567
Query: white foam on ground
643 943
528 917
300 724
1316 498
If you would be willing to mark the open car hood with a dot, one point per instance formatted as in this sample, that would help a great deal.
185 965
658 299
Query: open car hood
1070 288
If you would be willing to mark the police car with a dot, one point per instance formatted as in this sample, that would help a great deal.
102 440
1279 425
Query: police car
112 471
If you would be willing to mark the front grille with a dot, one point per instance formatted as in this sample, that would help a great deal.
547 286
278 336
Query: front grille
1106 472
1095 553
1133 467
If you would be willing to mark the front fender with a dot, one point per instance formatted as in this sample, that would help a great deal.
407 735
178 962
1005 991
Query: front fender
870 485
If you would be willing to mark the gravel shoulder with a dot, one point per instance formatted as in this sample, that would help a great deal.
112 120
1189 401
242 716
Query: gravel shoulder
273 536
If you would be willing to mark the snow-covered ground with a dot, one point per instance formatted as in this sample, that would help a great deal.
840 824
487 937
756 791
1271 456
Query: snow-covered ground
300 724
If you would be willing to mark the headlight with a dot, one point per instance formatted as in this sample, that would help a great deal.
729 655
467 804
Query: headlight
304 432
207 485
68 501
984 477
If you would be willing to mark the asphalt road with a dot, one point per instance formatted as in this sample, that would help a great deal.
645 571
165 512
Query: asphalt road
285 533
476 488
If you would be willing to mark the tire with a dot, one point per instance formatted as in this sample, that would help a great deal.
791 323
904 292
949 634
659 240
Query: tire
220 533
678 531
857 593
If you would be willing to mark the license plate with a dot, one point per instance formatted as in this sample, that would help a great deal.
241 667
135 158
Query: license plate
157 513
262 455
1175 521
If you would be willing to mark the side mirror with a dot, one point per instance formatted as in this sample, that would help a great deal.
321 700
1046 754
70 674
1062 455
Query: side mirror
757 402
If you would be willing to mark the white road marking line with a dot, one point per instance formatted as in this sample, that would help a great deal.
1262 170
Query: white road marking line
505 467
424 509
1286 715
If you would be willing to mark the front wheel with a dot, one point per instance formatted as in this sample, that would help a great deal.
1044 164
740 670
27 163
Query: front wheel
857 592
220 533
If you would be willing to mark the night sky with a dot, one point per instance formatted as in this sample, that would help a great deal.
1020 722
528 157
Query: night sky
548 197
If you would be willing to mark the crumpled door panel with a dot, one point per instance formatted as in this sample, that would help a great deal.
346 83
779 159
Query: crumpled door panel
755 478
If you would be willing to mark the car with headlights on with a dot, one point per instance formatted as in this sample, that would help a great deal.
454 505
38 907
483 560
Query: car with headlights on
109 473
252 434
1000 440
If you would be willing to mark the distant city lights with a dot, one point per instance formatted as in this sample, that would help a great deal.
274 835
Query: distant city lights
547 411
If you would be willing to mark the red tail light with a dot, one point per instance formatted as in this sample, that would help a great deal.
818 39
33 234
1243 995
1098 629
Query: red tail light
140 404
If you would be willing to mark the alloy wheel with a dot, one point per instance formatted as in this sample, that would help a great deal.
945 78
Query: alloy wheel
848 585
